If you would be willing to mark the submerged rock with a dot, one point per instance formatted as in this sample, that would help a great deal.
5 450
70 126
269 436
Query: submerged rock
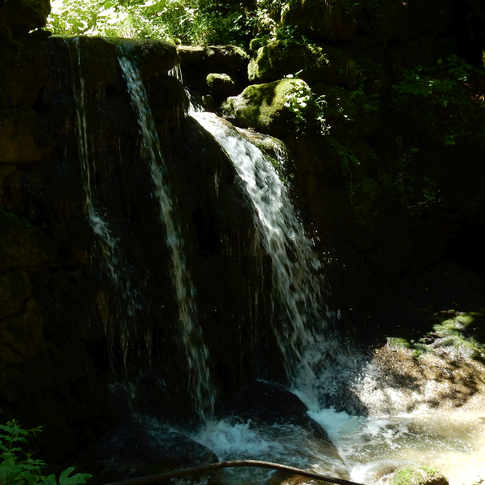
267 403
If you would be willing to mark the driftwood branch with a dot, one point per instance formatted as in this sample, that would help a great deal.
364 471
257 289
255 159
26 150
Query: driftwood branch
231 464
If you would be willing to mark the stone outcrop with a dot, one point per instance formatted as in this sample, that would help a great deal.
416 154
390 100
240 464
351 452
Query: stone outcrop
18 17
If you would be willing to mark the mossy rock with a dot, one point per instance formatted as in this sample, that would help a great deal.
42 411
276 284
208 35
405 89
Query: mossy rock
221 85
280 57
418 476
265 106
21 16
310 62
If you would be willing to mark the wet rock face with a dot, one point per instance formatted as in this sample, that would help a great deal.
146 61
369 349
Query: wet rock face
54 364
63 315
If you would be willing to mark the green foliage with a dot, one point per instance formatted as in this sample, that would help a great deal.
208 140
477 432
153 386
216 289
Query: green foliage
299 101
183 21
18 467
444 88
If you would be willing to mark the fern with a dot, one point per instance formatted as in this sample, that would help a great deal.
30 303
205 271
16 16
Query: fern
18 467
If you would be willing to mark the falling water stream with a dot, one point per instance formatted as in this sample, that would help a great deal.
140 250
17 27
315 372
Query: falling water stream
197 354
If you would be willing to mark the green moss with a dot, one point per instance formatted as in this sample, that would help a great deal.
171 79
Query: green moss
265 106
281 57
418 476
398 342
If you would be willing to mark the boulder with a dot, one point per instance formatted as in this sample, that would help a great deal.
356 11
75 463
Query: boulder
221 85
21 16
418 476
268 108
281 57
267 403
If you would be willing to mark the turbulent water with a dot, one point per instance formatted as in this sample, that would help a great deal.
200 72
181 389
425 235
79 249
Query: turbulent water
196 351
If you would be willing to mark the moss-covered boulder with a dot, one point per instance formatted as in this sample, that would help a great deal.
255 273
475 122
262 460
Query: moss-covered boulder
221 85
281 57
418 476
275 108
20 16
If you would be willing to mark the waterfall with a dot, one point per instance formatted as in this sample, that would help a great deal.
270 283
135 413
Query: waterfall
117 327
199 380
296 280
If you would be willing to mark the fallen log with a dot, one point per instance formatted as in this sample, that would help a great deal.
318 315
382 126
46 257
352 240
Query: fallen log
231 464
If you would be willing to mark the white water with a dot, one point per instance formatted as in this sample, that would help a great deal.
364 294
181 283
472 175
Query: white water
296 280
197 354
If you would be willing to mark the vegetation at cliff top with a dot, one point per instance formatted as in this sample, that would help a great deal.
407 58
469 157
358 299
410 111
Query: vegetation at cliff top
182 21
18 467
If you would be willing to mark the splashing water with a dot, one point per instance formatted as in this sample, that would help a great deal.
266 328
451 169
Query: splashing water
196 351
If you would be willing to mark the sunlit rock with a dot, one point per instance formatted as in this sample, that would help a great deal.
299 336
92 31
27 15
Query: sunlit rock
268 107
418 476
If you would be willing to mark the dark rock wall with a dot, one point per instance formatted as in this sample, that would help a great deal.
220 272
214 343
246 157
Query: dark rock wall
69 332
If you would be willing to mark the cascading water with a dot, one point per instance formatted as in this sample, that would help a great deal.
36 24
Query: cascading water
119 333
304 337
196 351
